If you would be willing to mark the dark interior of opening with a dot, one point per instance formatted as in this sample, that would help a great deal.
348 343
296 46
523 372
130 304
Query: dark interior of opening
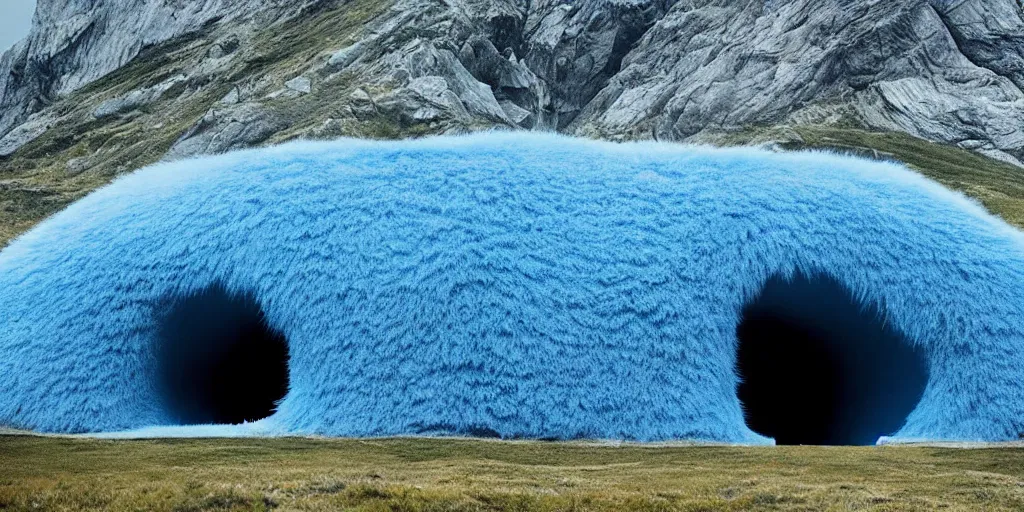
219 361
816 367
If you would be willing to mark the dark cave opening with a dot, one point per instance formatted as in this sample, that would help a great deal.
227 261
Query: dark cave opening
218 360
818 368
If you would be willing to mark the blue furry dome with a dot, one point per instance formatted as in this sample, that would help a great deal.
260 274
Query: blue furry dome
519 285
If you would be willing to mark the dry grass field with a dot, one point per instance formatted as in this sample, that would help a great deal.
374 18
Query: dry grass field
55 473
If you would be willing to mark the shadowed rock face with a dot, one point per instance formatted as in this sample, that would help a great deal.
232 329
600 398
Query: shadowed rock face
945 70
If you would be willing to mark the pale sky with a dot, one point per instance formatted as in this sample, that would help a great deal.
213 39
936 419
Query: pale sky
15 20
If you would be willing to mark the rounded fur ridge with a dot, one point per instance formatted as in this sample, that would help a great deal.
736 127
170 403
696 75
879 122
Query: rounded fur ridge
515 284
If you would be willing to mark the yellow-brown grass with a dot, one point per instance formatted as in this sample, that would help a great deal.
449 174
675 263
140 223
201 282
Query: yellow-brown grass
48 473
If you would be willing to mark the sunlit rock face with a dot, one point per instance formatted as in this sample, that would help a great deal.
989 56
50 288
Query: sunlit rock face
944 70
75 42
949 71
518 285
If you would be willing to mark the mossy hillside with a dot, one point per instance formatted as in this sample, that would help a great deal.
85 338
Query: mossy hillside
996 184
35 182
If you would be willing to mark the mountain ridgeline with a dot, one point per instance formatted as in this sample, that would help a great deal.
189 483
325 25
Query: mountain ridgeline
100 88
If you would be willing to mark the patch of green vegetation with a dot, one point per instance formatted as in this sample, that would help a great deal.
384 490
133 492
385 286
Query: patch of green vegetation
388 128
379 127
112 145
294 43
152 66
997 185
52 473
35 182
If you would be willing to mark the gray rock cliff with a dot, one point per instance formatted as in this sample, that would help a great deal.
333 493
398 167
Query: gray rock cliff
949 71
74 42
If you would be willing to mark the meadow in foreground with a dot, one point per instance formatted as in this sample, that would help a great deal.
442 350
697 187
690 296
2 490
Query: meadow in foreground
54 473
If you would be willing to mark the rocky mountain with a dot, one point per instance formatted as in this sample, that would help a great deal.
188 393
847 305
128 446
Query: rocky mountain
944 71
101 87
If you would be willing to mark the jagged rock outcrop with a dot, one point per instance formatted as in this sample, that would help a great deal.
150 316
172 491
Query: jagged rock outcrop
946 72
990 34
137 98
577 47
226 128
74 42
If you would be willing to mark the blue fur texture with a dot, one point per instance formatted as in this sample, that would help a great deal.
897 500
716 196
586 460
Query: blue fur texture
528 284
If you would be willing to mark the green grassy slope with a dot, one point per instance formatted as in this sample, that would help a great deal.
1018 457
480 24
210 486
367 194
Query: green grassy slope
998 185
45 473
35 181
